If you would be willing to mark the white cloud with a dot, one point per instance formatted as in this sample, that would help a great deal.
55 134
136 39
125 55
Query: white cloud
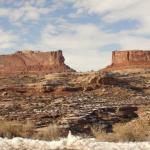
7 40
115 11
38 2
82 43
76 36
101 6
26 12
140 12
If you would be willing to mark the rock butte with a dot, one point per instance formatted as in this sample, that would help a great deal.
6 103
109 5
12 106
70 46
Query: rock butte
33 62
130 59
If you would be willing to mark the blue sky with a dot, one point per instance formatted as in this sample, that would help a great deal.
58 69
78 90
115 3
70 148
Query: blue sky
86 30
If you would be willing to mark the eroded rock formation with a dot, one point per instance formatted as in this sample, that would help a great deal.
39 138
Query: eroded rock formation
130 59
23 62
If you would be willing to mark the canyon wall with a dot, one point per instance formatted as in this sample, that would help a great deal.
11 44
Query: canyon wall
24 62
130 59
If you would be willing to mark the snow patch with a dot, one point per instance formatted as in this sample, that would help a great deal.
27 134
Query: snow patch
71 142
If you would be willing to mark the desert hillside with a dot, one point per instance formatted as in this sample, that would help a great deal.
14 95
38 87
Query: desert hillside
75 101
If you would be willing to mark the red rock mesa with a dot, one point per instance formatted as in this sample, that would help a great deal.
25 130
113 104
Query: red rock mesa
33 62
130 59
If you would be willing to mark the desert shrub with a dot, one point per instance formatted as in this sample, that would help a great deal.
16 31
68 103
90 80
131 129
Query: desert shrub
28 129
9 129
138 130
52 132
12 129
101 135
134 131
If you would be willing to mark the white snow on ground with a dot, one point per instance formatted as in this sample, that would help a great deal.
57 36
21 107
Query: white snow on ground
71 142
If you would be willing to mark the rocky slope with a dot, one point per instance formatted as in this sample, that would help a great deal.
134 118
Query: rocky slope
75 101
131 59
33 62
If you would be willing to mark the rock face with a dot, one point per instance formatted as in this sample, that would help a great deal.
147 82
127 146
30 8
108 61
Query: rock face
130 59
33 62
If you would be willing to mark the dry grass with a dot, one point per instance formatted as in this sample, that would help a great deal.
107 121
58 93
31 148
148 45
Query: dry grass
52 132
138 130
135 131
12 129
100 135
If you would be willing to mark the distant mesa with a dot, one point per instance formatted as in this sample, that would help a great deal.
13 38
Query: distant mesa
37 62
33 62
130 59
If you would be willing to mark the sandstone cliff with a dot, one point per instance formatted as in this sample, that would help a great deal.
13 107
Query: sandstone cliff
23 62
131 59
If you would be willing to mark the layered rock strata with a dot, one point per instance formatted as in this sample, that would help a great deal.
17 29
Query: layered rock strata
28 62
131 59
